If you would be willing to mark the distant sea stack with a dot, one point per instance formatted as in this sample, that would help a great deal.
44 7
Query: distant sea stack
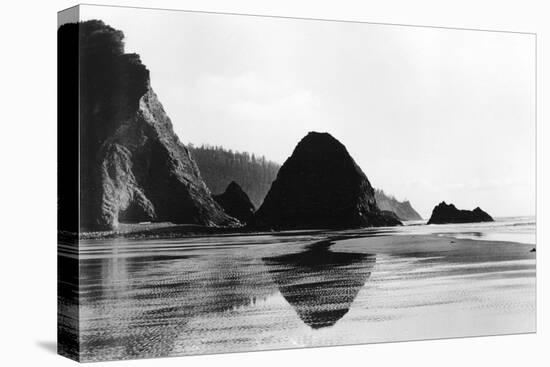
133 166
403 209
236 203
448 213
320 186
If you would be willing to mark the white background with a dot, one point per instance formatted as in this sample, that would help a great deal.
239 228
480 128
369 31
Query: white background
28 182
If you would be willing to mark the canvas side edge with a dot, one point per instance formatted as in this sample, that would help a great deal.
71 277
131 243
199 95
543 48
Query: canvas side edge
68 185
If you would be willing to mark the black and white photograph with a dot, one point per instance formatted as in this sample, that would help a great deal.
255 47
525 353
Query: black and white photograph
233 183
275 183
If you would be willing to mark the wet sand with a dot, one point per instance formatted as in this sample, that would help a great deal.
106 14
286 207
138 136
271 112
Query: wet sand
152 298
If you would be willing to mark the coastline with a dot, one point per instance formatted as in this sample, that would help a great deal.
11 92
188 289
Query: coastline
503 229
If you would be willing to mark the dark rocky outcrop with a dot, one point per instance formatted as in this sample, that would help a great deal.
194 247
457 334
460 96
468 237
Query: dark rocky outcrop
133 167
403 209
448 213
320 186
236 203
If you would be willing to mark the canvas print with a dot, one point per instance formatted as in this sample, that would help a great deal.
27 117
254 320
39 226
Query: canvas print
233 183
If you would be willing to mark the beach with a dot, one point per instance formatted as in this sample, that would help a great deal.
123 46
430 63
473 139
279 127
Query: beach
241 292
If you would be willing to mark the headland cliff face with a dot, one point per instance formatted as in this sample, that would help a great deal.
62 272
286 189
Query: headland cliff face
133 167
403 209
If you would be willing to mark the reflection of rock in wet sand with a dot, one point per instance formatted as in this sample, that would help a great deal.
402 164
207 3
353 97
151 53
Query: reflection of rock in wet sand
320 284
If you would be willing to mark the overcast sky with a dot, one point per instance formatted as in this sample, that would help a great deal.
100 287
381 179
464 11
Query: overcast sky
429 114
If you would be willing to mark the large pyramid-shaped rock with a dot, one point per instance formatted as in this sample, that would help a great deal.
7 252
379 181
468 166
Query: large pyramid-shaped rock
320 186
133 167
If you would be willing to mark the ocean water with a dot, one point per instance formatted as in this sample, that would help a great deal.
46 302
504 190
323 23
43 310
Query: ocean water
155 298
509 229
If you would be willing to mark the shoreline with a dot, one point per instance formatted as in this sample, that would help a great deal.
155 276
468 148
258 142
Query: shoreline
166 230
169 230
377 240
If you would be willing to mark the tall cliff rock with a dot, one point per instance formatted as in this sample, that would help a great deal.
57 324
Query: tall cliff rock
403 209
320 186
448 213
236 203
133 166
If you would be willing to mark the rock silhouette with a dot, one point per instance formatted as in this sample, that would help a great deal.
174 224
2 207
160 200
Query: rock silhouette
133 166
320 186
236 203
403 209
448 213
320 284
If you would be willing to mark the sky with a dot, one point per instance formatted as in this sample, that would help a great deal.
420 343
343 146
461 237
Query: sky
429 114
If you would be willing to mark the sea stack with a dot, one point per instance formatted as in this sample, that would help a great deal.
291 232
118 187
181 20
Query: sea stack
236 203
320 186
447 213
133 166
